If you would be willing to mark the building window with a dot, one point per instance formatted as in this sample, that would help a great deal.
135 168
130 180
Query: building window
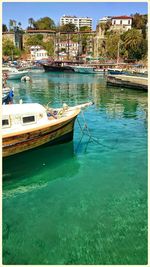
114 22
121 22
129 22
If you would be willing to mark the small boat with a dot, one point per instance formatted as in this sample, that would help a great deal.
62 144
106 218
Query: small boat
13 73
88 70
16 75
28 126
84 69
115 71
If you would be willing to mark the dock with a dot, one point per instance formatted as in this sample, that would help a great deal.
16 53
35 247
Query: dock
126 81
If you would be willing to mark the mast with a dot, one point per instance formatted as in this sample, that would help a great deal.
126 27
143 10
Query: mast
118 52
68 44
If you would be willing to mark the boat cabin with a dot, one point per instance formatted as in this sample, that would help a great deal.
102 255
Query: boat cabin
21 116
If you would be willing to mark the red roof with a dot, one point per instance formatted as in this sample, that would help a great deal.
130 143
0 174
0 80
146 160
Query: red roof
122 17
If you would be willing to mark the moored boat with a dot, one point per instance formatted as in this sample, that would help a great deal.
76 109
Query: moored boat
115 71
28 126
57 67
13 73
16 75
84 69
88 70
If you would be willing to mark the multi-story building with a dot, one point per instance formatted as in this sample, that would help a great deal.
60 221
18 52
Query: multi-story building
66 47
38 53
78 22
123 23
105 19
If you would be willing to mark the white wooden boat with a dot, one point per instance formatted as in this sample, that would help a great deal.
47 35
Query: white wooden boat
12 73
16 75
28 126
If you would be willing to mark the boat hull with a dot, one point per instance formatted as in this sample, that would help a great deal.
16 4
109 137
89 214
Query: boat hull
16 76
84 70
49 135
49 68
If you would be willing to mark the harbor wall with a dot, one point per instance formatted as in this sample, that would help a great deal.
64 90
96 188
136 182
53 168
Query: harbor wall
128 81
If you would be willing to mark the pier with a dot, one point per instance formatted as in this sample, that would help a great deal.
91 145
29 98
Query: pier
126 81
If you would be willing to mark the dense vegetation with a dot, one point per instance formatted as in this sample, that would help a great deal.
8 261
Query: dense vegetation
132 43
10 50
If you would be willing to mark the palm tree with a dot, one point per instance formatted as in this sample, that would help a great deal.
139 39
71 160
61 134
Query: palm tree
132 38
4 28
133 43
30 21
10 24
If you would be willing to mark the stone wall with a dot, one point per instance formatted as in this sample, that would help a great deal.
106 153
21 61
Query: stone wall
46 37
9 36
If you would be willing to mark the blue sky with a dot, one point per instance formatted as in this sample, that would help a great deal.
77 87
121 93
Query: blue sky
22 11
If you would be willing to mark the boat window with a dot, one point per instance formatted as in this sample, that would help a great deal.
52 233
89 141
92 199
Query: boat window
5 123
28 119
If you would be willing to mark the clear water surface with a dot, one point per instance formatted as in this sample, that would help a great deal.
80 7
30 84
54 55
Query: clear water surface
84 202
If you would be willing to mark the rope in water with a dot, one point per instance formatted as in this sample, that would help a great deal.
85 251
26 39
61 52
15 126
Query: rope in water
87 133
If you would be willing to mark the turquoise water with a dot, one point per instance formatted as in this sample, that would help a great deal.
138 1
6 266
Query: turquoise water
84 202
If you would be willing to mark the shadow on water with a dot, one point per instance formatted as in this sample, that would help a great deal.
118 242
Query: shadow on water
39 166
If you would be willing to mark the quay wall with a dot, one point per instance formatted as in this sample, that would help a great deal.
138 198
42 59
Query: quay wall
128 81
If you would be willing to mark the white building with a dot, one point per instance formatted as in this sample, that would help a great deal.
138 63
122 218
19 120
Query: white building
121 23
38 53
78 22
105 19
62 48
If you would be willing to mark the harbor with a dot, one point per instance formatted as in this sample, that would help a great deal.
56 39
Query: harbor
74 134
65 176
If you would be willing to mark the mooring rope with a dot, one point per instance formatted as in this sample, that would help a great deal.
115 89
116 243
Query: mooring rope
87 133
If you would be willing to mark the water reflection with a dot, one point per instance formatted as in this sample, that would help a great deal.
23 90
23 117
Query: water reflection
38 166
73 88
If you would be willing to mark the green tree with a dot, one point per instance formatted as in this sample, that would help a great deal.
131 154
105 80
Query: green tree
19 24
36 39
12 24
30 22
70 27
111 44
139 21
84 41
9 49
4 28
134 44
49 46
85 28
45 23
